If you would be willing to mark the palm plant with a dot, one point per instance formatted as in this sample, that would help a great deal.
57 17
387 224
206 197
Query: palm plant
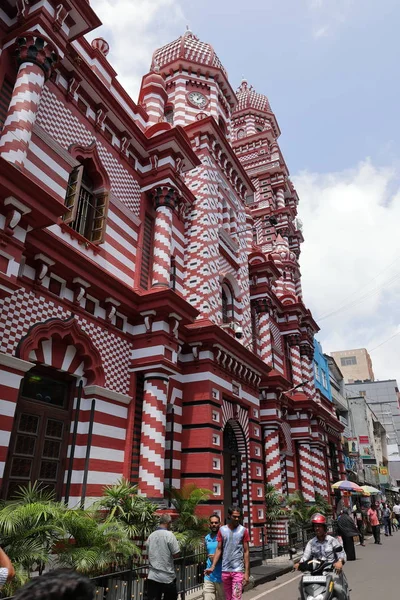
189 526
274 504
301 511
136 514
37 532
91 546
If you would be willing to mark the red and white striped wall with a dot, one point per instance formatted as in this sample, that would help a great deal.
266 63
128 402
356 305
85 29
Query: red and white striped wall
17 130
152 446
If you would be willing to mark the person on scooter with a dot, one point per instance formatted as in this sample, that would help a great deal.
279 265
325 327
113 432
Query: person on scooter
326 547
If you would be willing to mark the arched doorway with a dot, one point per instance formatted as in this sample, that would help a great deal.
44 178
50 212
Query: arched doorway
39 439
232 469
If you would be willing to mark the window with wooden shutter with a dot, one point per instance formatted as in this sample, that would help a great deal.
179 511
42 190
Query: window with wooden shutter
6 91
87 209
146 252
98 223
72 196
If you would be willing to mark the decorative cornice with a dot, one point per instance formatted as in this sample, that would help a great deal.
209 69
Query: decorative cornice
263 305
165 196
37 49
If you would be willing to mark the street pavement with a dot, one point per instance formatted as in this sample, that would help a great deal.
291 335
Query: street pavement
374 575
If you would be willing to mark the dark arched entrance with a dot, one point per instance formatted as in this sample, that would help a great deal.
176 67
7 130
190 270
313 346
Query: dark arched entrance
38 444
232 469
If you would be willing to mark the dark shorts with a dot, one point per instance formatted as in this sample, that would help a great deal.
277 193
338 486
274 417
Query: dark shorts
155 590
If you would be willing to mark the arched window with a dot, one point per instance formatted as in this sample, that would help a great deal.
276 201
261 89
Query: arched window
169 115
222 124
227 302
87 203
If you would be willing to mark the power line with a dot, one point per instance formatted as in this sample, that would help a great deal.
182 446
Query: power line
366 284
361 299
384 342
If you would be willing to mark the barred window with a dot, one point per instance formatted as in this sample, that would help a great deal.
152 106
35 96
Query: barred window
86 206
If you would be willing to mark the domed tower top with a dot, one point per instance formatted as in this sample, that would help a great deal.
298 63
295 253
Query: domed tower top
249 98
188 48
196 81
255 110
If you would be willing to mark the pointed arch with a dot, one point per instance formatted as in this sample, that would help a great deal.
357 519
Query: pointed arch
87 194
89 157
64 346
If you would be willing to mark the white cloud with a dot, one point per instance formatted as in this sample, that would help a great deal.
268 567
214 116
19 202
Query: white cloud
328 15
321 31
351 260
134 29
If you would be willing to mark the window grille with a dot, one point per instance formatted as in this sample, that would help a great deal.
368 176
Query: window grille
86 209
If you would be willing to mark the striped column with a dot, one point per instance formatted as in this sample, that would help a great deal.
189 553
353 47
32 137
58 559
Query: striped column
280 198
153 95
340 456
294 350
283 474
306 471
272 458
165 199
319 469
35 56
307 354
152 445
264 330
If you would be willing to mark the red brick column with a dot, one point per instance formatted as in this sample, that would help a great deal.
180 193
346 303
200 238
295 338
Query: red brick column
165 199
152 445
35 55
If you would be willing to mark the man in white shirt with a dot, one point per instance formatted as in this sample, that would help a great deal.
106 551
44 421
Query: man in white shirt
162 548
6 569
396 511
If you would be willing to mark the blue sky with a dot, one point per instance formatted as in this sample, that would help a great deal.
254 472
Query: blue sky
330 70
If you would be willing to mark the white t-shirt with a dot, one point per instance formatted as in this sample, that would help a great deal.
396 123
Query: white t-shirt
396 509
161 547
3 576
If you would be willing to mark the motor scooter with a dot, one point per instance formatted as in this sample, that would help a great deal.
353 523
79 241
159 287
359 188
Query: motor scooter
319 581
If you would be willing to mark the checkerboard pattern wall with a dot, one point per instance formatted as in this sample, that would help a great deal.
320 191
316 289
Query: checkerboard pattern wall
22 310
67 129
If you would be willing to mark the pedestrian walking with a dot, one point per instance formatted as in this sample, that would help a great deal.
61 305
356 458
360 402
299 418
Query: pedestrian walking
347 529
359 520
7 571
162 548
386 516
233 544
213 588
396 512
373 519
60 584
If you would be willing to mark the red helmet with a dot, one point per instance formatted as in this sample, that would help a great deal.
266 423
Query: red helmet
318 519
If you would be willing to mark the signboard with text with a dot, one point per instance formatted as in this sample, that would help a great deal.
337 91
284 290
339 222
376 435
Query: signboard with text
353 445
365 447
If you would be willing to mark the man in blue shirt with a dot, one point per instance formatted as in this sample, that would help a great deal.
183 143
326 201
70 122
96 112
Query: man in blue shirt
213 589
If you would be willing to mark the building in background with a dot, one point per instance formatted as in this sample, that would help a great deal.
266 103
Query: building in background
383 398
150 286
356 365
321 371
369 439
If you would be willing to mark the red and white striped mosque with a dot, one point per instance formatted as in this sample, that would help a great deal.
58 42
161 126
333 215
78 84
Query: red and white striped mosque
152 323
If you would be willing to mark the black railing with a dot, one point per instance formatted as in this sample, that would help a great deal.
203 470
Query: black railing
130 584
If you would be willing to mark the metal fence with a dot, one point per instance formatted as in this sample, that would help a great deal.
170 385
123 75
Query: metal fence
130 584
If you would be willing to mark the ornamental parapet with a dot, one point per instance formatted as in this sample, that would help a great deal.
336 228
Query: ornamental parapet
165 196
35 48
